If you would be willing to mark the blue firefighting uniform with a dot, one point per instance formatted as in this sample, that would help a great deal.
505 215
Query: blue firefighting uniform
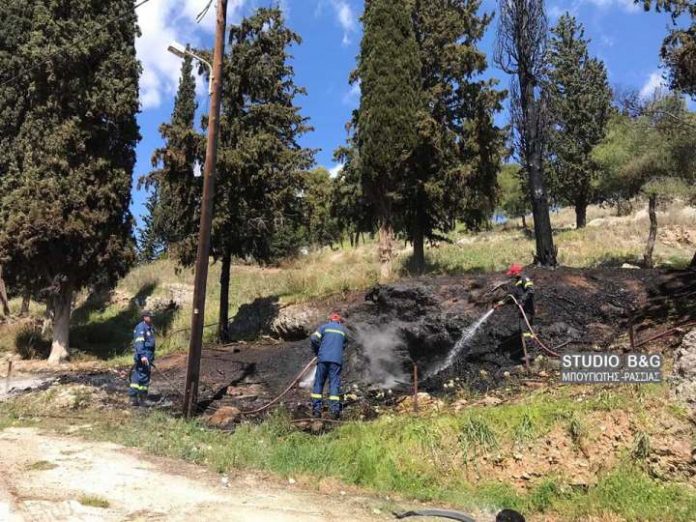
328 343
144 344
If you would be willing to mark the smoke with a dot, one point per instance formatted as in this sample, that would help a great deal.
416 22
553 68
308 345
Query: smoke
383 352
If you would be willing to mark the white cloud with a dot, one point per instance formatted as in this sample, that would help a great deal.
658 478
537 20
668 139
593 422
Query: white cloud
350 97
655 82
346 19
335 170
164 21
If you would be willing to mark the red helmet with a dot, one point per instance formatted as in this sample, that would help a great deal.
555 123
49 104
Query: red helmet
515 269
336 317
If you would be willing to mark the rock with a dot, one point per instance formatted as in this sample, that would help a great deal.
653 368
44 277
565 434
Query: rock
490 400
630 266
460 405
224 417
291 481
517 456
684 383
685 361
175 296
295 322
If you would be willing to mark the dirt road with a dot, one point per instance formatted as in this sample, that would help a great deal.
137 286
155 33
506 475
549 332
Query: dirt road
50 478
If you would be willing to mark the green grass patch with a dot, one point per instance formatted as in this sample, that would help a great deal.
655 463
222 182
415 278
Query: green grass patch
40 465
94 501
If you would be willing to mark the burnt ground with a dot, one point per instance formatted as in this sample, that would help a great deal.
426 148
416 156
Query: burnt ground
420 320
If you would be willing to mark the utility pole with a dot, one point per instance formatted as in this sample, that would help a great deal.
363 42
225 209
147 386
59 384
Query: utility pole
201 270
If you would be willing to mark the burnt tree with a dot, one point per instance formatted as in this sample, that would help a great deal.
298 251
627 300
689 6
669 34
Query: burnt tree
520 52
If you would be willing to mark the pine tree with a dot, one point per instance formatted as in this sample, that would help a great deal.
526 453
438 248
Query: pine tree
65 195
678 51
459 147
389 71
174 206
652 154
579 108
521 52
261 165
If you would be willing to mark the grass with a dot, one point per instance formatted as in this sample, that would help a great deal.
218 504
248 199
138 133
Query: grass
102 324
40 465
94 501
433 458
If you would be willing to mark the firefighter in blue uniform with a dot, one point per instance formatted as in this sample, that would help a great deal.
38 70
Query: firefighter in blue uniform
328 343
144 356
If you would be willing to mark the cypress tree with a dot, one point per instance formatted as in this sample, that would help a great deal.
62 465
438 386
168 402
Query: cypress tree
261 165
459 147
389 71
174 205
65 195
151 245
579 106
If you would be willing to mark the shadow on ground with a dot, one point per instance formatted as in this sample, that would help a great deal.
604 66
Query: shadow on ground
97 332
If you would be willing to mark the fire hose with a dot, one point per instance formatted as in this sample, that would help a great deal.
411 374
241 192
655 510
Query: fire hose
531 330
285 392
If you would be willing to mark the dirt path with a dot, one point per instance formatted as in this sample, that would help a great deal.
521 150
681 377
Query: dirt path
45 478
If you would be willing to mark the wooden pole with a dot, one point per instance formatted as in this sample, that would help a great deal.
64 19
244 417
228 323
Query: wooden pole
201 270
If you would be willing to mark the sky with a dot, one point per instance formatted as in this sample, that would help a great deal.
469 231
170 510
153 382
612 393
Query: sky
622 35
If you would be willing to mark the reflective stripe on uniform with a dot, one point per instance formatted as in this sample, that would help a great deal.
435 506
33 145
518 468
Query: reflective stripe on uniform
139 340
318 334
331 330
138 387
527 334
316 396
518 283
334 398
528 284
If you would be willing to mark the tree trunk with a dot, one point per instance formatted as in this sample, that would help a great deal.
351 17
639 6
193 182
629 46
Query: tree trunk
650 247
26 301
418 250
693 261
418 240
386 236
524 221
533 158
47 320
580 213
62 305
3 296
223 326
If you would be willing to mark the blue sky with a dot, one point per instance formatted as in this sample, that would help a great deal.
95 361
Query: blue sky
626 38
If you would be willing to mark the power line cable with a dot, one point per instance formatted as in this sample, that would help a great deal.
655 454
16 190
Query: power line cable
78 41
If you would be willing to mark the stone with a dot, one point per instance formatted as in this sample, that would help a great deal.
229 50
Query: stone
490 400
630 266
685 361
295 322
224 417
